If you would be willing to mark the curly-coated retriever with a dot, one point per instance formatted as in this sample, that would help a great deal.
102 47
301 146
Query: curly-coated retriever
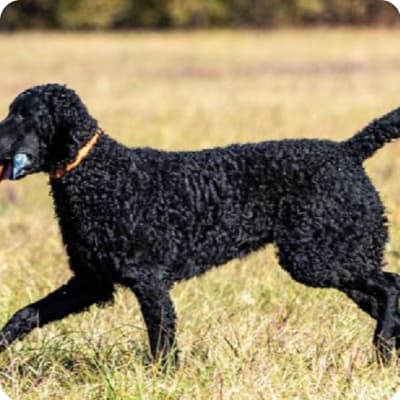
146 218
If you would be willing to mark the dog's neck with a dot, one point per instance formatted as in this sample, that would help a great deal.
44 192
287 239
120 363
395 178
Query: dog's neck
80 156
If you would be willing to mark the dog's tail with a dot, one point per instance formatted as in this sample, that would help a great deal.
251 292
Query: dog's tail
374 136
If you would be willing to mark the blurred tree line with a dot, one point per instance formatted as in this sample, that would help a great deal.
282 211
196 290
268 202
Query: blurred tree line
116 14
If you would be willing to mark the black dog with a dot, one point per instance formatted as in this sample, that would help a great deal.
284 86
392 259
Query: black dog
147 219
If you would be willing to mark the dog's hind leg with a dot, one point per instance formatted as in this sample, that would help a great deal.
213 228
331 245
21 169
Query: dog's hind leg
375 291
159 315
381 303
73 297
368 304
372 305
337 241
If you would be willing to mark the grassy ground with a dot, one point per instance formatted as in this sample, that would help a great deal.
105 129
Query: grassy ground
246 330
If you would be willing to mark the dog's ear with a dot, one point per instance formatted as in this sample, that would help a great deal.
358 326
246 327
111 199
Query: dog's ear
66 145
73 129
63 124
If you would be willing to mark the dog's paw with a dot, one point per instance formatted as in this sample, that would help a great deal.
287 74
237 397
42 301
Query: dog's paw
385 348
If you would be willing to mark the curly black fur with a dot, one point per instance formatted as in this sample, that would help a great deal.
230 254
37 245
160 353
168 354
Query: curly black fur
147 219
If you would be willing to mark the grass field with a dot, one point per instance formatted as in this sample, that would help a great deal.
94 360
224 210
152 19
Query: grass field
246 330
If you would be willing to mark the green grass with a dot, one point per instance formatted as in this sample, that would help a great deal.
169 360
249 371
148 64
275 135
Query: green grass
246 330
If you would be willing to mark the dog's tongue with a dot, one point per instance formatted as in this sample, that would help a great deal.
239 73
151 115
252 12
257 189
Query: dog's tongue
6 171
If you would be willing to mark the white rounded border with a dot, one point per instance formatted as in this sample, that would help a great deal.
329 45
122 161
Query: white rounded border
3 396
395 3
3 5
396 396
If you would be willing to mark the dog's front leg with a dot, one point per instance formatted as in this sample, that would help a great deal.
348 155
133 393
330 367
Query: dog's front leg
73 297
159 315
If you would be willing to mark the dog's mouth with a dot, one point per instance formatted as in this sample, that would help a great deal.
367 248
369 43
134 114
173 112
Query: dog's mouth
6 170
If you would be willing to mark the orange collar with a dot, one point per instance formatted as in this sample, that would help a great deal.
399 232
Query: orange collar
82 153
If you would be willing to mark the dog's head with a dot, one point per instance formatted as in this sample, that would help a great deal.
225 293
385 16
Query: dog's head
43 131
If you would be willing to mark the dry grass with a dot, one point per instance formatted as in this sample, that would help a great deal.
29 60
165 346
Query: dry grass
246 330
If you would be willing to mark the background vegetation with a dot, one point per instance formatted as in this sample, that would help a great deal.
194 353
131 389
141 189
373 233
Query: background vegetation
109 14
246 330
